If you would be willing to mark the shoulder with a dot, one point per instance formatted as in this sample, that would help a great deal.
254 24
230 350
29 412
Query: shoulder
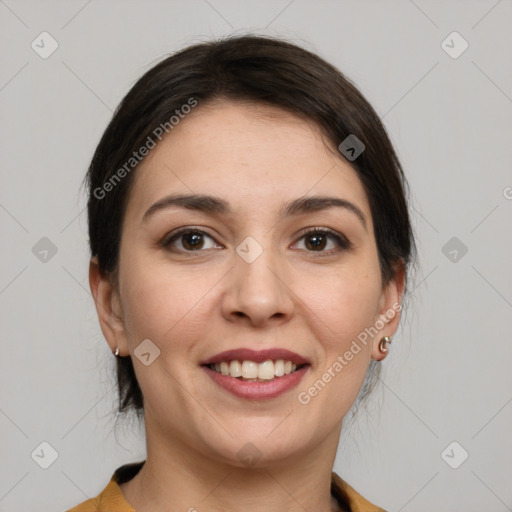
349 497
100 502
111 499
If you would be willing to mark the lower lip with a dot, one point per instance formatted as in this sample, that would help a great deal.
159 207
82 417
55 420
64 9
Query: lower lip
257 390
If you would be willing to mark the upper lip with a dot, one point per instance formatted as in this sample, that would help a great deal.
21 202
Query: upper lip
258 356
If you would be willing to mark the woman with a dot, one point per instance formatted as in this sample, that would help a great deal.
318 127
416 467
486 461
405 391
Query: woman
250 242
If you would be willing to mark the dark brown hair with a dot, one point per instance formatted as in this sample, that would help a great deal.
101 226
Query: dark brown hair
257 69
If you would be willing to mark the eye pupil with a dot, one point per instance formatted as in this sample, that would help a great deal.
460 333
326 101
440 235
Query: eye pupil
316 241
192 240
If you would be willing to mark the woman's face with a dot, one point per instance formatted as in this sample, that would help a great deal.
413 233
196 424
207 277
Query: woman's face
253 277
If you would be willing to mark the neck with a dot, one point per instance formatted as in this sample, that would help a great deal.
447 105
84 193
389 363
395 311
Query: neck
178 477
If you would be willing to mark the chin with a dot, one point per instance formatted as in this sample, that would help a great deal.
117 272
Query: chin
260 444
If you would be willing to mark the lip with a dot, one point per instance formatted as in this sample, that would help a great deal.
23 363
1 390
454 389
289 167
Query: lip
257 390
258 356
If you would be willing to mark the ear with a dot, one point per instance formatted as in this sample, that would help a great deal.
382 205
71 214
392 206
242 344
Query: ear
108 307
390 305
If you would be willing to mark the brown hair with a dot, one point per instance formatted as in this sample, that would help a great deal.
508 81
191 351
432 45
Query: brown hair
254 69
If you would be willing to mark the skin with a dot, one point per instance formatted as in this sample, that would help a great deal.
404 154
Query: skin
194 305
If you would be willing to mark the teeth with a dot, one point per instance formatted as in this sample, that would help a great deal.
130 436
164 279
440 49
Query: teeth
235 369
279 368
224 368
266 370
251 370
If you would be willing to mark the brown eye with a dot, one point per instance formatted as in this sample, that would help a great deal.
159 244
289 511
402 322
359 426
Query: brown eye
324 240
189 241
316 241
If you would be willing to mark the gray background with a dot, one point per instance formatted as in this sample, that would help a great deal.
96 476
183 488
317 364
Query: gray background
448 377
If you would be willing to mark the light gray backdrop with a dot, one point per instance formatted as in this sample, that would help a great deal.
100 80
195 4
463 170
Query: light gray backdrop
448 109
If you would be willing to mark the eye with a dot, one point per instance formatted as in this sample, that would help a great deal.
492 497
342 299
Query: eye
317 240
322 240
189 240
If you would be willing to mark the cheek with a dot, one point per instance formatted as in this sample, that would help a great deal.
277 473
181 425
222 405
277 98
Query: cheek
342 311
162 305
345 302
167 309
150 302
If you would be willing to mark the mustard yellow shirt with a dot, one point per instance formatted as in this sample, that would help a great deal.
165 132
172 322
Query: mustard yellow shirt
111 499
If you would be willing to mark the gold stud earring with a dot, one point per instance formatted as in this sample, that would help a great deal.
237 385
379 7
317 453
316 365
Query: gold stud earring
383 342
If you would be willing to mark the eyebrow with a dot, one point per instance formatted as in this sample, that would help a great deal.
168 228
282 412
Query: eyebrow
216 205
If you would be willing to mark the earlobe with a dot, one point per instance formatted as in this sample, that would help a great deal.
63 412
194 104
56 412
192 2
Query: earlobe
389 313
108 308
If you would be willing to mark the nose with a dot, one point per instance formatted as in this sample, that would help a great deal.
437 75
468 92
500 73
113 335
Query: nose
257 293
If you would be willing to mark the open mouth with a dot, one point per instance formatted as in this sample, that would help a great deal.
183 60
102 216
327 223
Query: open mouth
251 371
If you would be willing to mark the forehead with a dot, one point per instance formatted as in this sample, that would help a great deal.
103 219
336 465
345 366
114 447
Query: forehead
252 155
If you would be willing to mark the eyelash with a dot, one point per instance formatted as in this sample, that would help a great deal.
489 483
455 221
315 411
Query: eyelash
343 242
